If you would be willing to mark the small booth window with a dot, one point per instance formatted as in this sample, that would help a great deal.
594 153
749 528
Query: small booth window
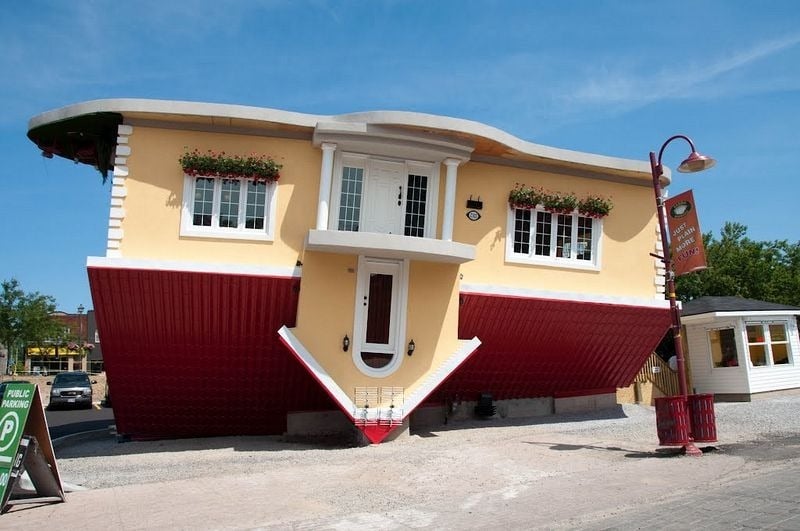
768 344
723 347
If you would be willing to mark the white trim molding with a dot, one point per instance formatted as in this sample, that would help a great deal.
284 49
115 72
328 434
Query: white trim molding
660 271
465 349
193 267
119 192
346 404
532 293
317 371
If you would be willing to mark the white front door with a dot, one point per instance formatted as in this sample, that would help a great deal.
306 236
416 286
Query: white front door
383 211
379 321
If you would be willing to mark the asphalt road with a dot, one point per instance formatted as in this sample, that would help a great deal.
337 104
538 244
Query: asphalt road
63 422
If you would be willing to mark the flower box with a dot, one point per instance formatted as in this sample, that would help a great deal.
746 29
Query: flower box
595 206
560 203
530 197
526 196
213 164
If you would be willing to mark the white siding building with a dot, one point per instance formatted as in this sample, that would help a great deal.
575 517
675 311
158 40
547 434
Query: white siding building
740 347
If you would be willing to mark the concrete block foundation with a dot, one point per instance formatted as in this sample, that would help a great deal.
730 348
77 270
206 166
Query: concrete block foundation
582 404
334 426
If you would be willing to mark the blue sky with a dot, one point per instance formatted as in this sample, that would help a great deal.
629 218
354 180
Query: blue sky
610 77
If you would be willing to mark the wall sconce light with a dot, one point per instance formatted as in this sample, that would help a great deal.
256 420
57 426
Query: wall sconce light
345 343
411 347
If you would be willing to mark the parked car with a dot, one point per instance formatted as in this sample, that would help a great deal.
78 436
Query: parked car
71 389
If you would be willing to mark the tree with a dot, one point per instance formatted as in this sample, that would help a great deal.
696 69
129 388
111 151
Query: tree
739 266
26 318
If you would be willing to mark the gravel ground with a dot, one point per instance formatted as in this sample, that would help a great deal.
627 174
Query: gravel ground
627 432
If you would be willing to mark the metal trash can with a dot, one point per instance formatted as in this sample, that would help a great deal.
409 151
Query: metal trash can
672 421
703 420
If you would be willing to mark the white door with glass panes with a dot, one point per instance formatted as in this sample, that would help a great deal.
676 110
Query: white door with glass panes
384 196
383 211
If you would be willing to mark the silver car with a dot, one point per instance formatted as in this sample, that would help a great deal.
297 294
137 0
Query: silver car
71 389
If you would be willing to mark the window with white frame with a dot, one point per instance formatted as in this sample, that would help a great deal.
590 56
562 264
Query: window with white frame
385 196
768 344
552 238
228 208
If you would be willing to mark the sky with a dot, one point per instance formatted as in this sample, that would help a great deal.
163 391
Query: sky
613 77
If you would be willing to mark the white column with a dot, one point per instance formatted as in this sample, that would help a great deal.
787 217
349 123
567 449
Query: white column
325 176
449 198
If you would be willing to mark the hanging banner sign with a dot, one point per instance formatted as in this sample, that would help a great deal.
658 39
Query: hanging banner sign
685 238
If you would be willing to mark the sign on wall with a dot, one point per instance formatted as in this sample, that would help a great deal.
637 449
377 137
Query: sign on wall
685 238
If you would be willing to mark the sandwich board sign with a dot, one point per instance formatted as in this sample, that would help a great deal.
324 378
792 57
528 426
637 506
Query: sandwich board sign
25 446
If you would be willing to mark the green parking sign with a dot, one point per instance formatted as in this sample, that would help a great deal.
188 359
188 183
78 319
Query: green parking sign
14 409
22 416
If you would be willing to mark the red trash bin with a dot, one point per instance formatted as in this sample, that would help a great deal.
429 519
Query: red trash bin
701 414
672 421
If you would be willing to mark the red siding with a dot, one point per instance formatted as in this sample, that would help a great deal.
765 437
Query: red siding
539 347
198 354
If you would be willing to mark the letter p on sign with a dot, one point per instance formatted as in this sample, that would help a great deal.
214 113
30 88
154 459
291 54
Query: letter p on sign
9 426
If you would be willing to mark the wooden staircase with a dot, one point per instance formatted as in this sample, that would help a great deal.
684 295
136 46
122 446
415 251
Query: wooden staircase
657 371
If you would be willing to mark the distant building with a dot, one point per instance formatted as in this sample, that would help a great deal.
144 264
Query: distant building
71 353
403 266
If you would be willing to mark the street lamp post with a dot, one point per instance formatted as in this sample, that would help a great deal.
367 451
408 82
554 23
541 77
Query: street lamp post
80 322
695 162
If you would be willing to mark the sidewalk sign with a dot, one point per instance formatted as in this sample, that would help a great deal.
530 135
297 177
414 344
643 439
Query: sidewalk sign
25 446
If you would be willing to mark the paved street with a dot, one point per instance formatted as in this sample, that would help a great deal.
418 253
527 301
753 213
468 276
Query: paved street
602 472
758 499
732 488
62 422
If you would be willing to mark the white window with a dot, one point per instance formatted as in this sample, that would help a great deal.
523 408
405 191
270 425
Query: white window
768 344
384 196
215 207
537 236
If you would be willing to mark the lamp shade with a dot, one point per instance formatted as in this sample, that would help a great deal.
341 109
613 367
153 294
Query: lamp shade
696 162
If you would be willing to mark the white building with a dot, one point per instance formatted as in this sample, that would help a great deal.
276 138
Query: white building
740 347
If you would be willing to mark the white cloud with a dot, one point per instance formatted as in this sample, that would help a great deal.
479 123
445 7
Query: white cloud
617 88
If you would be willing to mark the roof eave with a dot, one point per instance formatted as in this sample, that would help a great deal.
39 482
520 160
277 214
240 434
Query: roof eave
515 148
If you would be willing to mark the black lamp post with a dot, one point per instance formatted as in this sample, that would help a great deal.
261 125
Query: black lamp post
694 162
80 322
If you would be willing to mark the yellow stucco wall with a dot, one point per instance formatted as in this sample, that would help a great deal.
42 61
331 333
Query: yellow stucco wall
629 232
155 192
325 315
